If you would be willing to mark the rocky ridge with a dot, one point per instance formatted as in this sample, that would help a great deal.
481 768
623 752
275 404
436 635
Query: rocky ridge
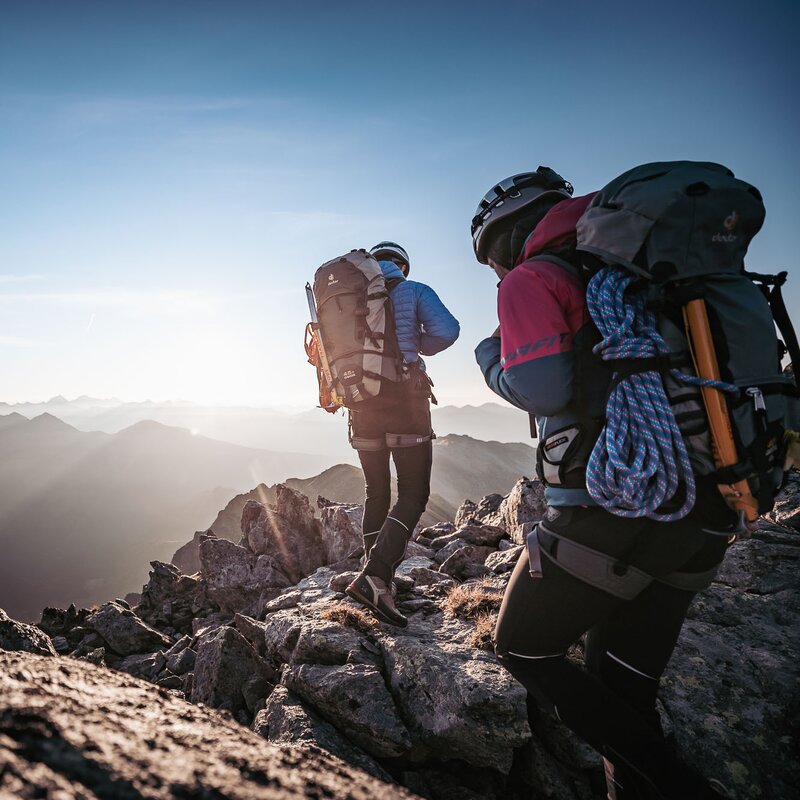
264 633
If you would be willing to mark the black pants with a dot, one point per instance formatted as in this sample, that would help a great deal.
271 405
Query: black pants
387 531
611 704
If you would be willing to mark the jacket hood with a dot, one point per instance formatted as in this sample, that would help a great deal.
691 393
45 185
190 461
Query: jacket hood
557 227
391 270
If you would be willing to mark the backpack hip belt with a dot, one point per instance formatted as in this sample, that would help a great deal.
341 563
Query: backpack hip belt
603 571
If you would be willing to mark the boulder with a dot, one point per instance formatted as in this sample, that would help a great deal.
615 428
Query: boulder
477 534
729 691
66 623
287 532
467 562
458 701
20 636
236 577
286 720
503 561
71 729
124 632
523 505
470 512
225 661
354 698
146 666
341 530
172 599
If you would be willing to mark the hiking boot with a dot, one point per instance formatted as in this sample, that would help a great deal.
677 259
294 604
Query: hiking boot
373 593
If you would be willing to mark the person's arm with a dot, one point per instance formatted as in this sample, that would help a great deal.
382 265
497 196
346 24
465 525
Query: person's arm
439 328
531 363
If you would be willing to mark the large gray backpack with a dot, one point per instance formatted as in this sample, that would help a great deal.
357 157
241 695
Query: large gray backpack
683 228
356 325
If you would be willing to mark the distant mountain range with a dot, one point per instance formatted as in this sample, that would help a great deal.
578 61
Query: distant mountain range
83 513
312 431
463 468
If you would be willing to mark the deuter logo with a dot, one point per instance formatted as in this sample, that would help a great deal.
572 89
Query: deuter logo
332 279
729 223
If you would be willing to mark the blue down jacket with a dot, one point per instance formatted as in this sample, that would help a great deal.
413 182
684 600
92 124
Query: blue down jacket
422 322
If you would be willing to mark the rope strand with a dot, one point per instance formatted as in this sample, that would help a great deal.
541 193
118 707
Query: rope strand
640 461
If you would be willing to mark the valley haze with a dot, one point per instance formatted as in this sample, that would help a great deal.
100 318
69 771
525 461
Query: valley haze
92 490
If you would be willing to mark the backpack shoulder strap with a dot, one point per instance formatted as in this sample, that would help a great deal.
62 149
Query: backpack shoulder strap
561 262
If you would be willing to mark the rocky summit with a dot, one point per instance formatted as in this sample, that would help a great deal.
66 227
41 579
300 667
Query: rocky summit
257 677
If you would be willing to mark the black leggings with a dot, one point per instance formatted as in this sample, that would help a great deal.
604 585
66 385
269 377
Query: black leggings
386 532
612 705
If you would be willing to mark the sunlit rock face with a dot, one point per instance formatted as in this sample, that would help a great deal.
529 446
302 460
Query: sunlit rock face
71 729
428 706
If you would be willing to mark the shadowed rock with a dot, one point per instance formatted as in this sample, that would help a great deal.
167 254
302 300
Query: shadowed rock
124 632
70 729
19 636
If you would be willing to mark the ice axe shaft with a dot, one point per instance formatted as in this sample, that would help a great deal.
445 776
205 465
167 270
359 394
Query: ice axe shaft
737 495
329 399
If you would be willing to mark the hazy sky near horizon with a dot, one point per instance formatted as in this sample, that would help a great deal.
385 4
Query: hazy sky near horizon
172 172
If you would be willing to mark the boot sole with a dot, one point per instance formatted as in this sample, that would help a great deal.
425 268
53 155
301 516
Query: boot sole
354 594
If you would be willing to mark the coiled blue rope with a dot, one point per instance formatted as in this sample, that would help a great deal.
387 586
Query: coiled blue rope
640 460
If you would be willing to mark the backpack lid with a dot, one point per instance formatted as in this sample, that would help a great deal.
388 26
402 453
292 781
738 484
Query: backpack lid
673 219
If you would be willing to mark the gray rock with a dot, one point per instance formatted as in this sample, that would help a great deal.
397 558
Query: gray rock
144 665
354 698
124 632
467 562
407 568
20 636
285 720
180 644
294 638
252 630
66 724
235 576
442 555
414 549
182 662
477 534
469 512
225 662
173 600
503 560
458 700
341 581
61 644
341 531
434 531
170 682
524 504
726 690
287 532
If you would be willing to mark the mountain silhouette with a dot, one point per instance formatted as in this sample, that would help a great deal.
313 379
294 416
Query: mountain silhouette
82 513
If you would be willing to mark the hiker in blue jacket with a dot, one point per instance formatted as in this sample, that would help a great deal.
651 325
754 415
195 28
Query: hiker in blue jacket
402 428
539 360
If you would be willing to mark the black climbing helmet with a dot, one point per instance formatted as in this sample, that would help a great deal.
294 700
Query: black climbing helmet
391 251
513 195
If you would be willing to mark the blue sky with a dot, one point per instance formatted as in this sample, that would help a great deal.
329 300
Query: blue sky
171 173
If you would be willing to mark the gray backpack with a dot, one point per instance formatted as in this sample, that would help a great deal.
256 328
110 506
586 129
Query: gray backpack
683 229
356 325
